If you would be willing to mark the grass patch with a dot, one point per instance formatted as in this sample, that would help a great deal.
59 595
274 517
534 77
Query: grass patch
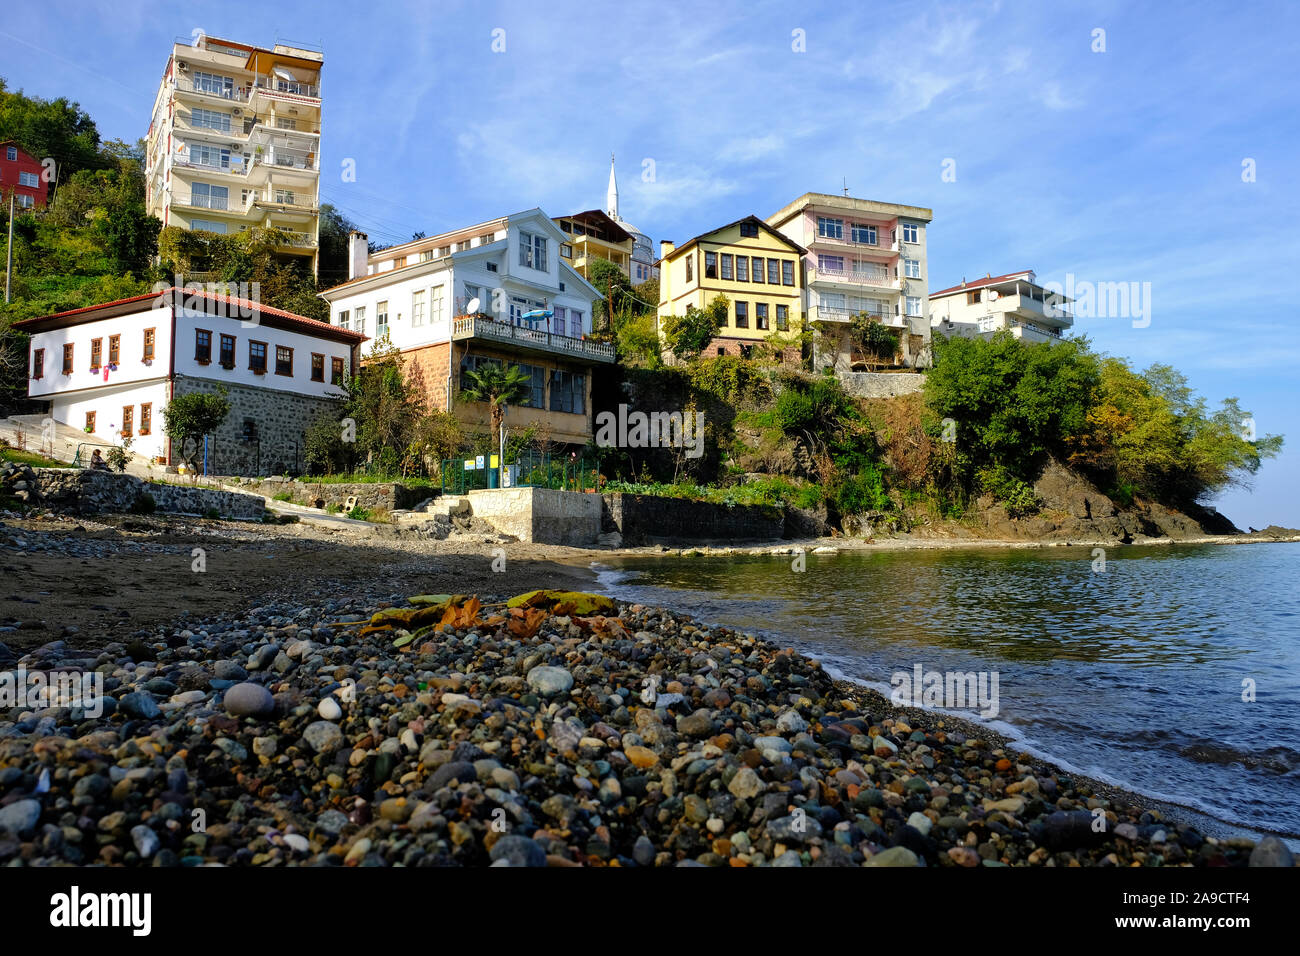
30 458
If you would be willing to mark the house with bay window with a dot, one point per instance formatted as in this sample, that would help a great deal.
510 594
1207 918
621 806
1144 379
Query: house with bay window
861 257
111 369
495 292
1015 302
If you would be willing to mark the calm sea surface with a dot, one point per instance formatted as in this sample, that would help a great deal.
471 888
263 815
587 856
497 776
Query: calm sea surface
1134 675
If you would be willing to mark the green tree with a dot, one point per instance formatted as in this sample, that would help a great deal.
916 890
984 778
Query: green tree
57 129
688 336
609 280
189 417
499 386
874 339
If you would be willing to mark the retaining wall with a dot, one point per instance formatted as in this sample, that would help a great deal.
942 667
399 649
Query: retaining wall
93 492
540 515
882 384
641 519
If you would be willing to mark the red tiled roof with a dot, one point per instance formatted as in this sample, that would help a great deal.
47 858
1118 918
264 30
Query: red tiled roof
289 319
980 283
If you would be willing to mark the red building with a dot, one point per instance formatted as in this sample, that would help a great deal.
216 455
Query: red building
20 174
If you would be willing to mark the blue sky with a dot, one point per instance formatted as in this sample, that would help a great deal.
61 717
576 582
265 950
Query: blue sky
1115 166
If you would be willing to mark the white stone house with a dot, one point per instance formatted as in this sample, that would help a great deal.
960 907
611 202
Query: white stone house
459 299
111 369
986 306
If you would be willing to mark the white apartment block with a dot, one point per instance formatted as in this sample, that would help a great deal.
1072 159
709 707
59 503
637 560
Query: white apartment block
234 142
111 369
863 257
454 301
1014 301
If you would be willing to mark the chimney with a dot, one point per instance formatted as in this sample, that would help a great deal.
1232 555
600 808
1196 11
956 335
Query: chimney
665 248
358 253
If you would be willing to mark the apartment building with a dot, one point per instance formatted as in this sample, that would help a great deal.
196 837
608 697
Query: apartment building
20 176
496 292
594 235
861 257
234 142
1014 301
111 369
756 267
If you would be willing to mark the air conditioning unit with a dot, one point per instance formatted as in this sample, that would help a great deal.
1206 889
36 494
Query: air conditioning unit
182 66
236 112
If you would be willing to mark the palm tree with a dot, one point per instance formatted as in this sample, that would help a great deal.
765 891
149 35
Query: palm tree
499 386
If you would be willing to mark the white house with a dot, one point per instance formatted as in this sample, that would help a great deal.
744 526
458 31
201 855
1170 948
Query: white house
111 369
458 300
1014 301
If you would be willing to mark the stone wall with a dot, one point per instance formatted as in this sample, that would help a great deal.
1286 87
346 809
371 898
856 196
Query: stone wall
281 419
374 495
93 492
540 515
882 384
641 519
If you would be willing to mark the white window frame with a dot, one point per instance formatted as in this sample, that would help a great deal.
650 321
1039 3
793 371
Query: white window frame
914 306
912 268
30 180
829 227
417 308
911 232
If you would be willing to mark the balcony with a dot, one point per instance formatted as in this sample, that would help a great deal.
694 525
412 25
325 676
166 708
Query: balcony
886 243
1030 307
533 340
872 280
839 314
214 203
282 90
211 89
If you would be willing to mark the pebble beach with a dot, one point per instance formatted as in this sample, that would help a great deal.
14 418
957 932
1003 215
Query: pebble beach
296 732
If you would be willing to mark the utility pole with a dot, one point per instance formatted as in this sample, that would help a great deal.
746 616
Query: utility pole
9 255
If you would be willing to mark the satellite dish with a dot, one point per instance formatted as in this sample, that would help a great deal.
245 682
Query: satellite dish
472 306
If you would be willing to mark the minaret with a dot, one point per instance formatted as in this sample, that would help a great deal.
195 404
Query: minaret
611 195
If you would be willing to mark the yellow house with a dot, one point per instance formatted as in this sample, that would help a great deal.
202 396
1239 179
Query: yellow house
594 235
759 270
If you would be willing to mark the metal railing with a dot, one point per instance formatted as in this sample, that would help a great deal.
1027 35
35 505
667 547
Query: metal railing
474 326
527 469
274 84
857 277
203 202
233 93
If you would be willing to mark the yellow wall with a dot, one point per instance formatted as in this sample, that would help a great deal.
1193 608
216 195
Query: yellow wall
676 293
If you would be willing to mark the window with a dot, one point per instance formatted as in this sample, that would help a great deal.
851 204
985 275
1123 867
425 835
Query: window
96 353
202 346
537 395
435 304
426 255
787 272
471 293
149 339
114 349
472 363
575 323
561 315
491 267
11 153
38 363
760 315
317 367
912 268
90 422
29 179
742 315
830 263
690 268
532 251
286 122
381 316
399 262
726 265
210 119
910 232
67 359
568 392
146 417
782 317
201 154
283 360
758 269
336 371
742 268
344 318
257 357
285 197
913 305
774 271
214 84
417 309
359 321
749 230
710 265
128 416
24 201
830 228
566 250
227 351
864 234
208 225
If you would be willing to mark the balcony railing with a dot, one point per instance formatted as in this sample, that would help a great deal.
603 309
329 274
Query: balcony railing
189 84
204 202
825 313
275 84
886 241
880 281
475 326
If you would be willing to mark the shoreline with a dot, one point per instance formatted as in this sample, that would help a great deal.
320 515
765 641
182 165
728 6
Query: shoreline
306 567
